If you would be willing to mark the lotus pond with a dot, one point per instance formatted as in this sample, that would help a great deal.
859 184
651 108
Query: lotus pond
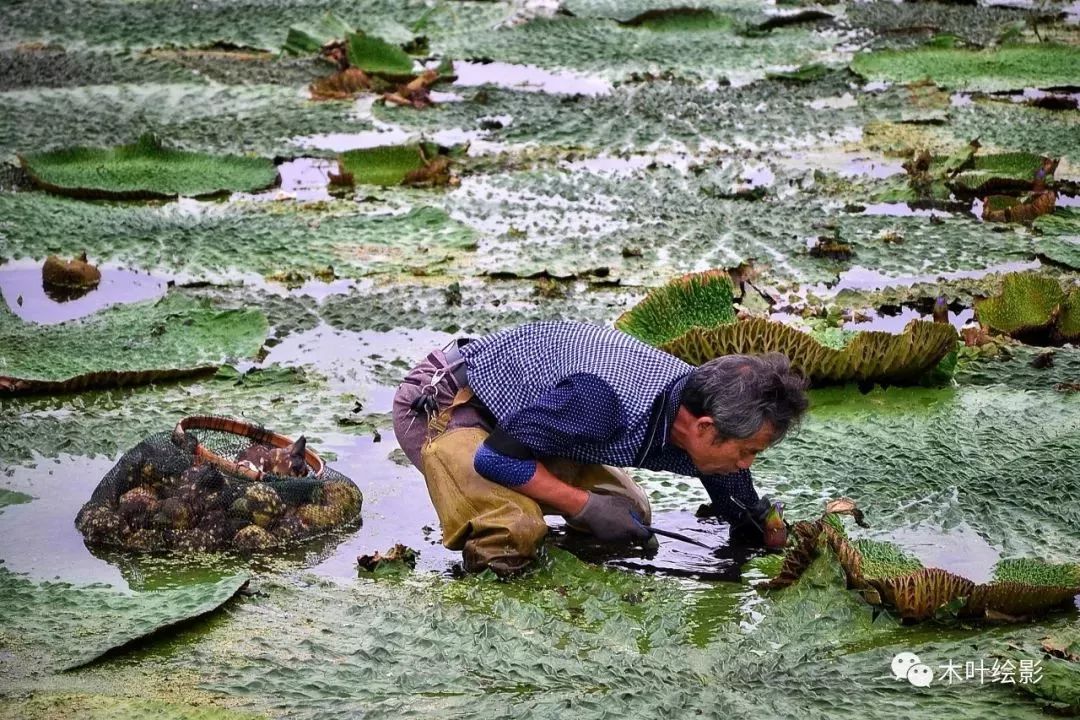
291 201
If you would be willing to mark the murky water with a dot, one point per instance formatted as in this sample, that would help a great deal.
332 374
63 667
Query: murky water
527 78
20 285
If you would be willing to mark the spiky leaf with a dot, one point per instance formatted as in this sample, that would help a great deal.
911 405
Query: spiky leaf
1027 301
882 560
870 356
1036 572
1069 320
145 169
701 300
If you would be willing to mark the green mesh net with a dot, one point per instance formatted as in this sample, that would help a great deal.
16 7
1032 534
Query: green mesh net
225 485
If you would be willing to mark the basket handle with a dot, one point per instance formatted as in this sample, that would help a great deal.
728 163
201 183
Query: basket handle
245 429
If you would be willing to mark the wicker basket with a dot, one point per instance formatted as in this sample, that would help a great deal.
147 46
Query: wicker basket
248 430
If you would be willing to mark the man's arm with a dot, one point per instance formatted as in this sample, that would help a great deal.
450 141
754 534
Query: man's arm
580 410
529 477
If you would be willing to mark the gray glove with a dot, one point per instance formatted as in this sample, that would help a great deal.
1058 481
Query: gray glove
610 518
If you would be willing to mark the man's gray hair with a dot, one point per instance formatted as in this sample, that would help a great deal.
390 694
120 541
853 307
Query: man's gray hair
742 392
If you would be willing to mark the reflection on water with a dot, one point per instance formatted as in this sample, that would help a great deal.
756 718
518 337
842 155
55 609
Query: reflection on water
861 278
528 78
961 550
20 285
900 209
304 179
895 322
719 561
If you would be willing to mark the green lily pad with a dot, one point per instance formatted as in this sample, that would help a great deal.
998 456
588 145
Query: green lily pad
110 707
806 73
1060 236
1058 685
999 173
1029 302
307 38
387 164
378 57
1013 67
113 421
125 345
695 300
145 169
75 626
679 19
688 43
221 240
968 174
10 497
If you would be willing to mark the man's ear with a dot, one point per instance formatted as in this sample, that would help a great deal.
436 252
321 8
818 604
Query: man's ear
705 426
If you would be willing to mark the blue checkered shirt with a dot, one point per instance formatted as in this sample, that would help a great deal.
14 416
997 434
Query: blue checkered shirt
589 393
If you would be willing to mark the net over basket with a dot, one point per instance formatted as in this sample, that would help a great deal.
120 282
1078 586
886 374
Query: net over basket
217 484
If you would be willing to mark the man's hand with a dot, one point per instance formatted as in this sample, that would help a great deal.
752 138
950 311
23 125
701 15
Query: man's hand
760 525
610 518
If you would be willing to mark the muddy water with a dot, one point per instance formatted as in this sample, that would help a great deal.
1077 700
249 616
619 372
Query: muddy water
960 550
528 78
39 538
20 285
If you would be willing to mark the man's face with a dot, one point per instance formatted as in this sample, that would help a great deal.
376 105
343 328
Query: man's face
726 456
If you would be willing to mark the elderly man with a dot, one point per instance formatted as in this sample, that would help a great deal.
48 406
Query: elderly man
538 419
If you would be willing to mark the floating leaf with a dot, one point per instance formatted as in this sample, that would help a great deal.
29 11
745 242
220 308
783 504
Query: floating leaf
145 169
1000 173
308 38
388 164
125 345
679 19
1059 236
797 18
159 612
1027 302
1012 67
805 74
1003 208
884 573
869 356
695 300
378 57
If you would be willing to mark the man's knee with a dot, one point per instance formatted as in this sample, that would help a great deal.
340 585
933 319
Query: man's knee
470 507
